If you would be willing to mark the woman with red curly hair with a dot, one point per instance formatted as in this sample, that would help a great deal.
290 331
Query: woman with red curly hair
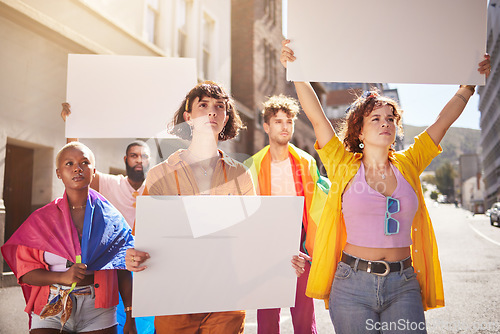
375 257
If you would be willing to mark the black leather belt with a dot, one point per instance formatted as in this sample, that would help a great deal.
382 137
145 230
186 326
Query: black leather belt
380 268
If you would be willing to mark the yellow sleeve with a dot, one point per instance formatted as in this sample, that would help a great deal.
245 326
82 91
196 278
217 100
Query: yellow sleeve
333 155
421 152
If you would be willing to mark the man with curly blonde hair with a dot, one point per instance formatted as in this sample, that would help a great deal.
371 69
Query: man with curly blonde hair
281 169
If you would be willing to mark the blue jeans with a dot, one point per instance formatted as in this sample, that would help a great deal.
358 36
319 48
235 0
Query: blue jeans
362 302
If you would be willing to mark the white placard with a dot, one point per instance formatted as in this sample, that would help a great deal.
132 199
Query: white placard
426 41
125 96
241 263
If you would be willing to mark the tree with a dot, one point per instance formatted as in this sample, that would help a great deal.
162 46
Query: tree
445 174
429 178
434 195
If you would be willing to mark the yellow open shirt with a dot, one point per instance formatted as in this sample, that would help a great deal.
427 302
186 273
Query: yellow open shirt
341 166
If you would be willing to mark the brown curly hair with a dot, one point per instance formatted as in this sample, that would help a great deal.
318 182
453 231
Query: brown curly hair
181 129
359 109
275 103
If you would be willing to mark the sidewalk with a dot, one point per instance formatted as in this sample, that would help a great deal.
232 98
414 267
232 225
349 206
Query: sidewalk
13 319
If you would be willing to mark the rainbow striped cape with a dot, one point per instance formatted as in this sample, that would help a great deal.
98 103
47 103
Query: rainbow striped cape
308 183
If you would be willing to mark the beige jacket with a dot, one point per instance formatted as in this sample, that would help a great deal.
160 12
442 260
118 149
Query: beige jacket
175 177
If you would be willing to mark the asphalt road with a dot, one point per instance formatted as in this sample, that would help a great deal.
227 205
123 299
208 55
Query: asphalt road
469 250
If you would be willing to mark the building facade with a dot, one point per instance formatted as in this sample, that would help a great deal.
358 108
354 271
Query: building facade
36 38
257 73
470 183
489 106
472 193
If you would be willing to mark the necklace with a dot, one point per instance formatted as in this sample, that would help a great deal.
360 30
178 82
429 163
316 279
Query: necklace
197 161
204 170
381 172
78 207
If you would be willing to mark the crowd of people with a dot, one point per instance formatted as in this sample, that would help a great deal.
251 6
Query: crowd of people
75 256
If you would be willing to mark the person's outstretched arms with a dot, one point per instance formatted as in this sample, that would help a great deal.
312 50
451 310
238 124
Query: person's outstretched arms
454 108
309 101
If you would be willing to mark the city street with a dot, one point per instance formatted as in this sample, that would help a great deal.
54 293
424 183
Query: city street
469 250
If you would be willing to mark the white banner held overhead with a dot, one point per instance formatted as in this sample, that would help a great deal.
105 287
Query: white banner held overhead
240 262
426 41
125 96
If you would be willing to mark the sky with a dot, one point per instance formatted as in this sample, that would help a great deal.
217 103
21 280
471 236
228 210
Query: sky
422 103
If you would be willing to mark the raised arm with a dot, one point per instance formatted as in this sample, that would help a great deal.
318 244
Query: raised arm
66 111
454 108
309 101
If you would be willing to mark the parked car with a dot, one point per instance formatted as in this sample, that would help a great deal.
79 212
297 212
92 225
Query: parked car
495 214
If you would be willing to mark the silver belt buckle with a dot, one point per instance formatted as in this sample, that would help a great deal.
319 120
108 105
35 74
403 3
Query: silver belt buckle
385 273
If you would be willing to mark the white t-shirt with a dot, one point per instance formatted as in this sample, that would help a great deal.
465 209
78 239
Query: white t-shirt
121 194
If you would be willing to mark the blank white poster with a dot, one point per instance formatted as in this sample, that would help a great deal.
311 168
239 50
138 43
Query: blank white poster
240 262
397 41
125 96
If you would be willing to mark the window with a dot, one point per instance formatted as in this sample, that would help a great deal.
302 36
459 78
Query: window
270 61
152 19
207 43
271 10
183 13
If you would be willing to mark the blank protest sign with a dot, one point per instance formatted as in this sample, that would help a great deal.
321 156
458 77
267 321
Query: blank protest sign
125 96
242 264
426 41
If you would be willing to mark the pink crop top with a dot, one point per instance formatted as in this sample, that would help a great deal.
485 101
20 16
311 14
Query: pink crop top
364 212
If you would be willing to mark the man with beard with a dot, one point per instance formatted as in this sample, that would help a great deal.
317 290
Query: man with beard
121 190
281 169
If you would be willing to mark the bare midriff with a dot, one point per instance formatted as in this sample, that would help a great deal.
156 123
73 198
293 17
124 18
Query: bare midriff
378 254
88 280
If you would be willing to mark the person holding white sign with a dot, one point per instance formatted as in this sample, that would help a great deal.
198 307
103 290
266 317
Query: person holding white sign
375 255
281 169
206 116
